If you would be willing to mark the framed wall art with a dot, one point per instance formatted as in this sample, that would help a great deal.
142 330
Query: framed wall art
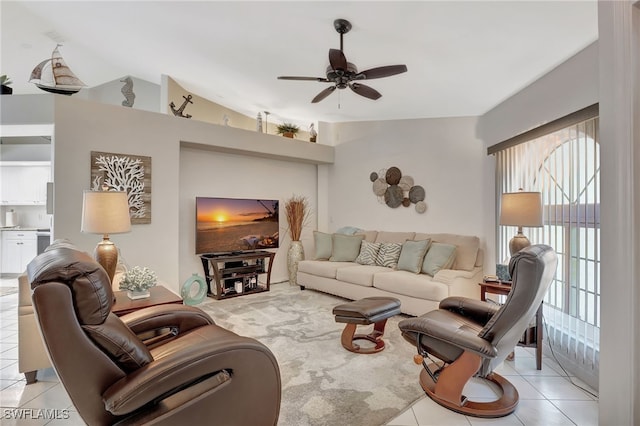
128 173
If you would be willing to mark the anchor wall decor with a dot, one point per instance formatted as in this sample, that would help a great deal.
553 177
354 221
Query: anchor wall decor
179 112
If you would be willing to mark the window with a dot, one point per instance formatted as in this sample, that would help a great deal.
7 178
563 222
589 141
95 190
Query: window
565 167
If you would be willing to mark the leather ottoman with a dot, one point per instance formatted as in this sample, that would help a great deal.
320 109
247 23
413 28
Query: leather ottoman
370 310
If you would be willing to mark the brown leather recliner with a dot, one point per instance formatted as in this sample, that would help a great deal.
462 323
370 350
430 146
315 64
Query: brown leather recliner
472 337
185 371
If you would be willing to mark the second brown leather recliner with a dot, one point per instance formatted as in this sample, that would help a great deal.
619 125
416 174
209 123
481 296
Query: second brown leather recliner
472 337
189 371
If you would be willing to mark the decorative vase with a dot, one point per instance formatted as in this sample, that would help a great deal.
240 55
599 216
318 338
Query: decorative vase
288 134
294 255
6 90
133 295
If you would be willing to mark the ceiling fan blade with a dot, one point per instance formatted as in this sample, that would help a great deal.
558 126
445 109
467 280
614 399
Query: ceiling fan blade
292 77
366 91
326 92
337 59
381 72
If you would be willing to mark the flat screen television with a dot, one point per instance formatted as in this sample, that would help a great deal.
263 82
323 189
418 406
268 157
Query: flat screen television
229 225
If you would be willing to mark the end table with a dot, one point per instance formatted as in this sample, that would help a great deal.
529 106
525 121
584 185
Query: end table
159 296
533 336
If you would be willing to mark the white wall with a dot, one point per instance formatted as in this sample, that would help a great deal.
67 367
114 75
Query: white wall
442 155
216 174
567 88
619 29
83 126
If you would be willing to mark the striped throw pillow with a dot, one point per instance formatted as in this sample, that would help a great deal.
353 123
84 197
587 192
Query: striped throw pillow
368 253
389 254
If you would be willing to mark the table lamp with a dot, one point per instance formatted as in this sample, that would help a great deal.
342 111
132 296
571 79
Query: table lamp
520 209
106 212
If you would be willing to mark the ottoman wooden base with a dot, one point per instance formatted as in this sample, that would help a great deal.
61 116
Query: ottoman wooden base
370 310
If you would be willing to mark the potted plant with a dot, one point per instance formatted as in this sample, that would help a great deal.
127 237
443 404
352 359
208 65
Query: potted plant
5 82
288 130
137 281
297 212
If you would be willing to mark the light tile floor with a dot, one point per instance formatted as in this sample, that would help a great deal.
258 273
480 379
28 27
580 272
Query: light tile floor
546 397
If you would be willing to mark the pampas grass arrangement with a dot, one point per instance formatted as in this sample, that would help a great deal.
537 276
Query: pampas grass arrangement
297 211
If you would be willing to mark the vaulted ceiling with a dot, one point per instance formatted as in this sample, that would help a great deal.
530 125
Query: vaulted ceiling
463 57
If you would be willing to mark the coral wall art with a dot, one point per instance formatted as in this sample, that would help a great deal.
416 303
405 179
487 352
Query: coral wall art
128 173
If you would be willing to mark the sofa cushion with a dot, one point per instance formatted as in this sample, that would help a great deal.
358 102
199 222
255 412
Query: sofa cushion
322 268
412 255
345 247
420 286
369 236
368 253
467 248
388 255
323 245
394 237
360 274
439 256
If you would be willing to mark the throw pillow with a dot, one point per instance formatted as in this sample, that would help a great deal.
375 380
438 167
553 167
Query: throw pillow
412 255
389 254
368 253
323 245
439 256
345 247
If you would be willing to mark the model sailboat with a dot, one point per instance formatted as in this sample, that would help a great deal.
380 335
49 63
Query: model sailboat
53 75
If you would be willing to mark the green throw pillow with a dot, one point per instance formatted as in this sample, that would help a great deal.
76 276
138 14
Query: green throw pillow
368 253
412 255
389 254
345 247
439 256
323 245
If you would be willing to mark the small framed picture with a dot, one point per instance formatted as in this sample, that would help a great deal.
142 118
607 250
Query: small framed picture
502 271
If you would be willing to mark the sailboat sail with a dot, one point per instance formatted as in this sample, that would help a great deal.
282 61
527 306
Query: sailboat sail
54 75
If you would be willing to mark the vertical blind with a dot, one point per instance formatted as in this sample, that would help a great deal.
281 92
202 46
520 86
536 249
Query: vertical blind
565 167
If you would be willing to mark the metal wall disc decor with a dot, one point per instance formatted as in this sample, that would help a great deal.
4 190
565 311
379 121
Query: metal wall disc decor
394 189
393 196
393 176
406 182
416 193
379 187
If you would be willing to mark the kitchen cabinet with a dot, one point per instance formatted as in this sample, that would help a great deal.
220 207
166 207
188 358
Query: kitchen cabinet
24 182
18 249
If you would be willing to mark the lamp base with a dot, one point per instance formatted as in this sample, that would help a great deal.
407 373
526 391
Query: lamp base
517 243
106 254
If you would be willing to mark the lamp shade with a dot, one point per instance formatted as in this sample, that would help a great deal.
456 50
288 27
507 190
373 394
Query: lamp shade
521 209
105 212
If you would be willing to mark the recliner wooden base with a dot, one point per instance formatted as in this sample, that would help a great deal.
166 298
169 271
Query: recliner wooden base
448 390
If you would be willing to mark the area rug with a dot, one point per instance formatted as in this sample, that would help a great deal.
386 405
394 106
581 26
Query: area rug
4 291
322 383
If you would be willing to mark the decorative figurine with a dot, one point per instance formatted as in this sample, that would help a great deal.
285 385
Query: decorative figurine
259 123
127 92
179 112
312 132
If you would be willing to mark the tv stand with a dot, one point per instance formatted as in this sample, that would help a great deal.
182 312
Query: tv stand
236 274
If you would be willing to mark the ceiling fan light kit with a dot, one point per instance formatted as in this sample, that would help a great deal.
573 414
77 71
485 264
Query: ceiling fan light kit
344 74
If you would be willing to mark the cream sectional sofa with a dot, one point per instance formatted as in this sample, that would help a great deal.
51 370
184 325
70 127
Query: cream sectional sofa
417 292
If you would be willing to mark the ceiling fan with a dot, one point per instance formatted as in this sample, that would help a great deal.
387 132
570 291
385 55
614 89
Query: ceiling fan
345 74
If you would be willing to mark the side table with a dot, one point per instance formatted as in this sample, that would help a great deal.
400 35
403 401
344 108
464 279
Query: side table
533 336
159 296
